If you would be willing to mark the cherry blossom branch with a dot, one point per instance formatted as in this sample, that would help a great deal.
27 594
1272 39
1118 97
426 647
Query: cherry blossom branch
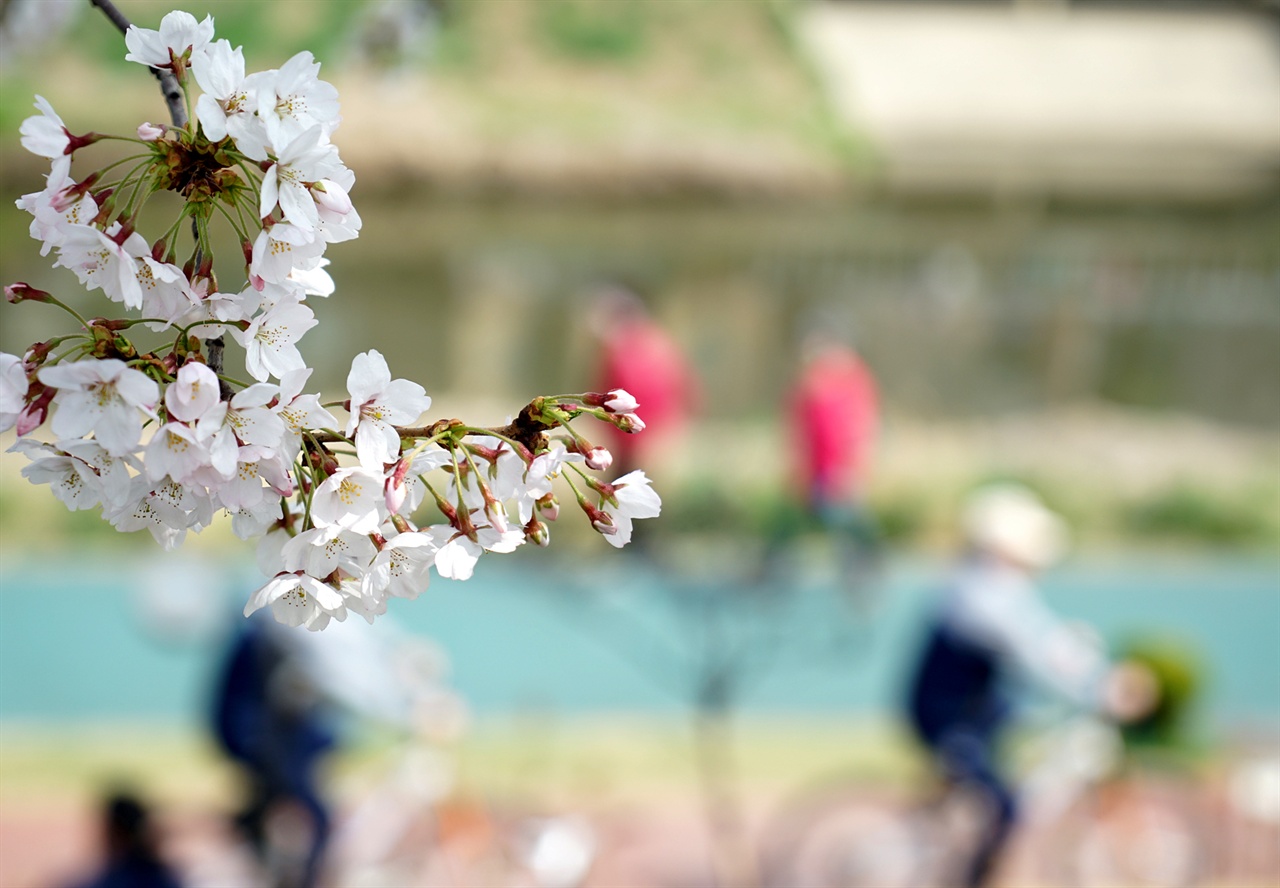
175 99
340 538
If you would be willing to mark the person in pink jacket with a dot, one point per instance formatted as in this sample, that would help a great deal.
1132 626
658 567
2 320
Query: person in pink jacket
835 414
639 356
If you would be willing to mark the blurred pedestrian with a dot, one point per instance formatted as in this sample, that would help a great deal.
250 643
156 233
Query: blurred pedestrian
834 410
990 625
129 842
270 718
833 413
638 355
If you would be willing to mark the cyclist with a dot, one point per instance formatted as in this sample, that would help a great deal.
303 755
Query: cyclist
991 623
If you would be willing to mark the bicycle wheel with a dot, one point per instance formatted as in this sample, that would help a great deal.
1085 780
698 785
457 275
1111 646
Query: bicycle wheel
1132 834
849 841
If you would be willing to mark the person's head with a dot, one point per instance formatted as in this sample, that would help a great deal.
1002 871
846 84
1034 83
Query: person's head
612 306
126 825
1009 522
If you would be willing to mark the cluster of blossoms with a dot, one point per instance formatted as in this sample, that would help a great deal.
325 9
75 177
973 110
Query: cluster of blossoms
160 438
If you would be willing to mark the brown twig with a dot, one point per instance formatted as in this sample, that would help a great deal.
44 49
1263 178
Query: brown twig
526 429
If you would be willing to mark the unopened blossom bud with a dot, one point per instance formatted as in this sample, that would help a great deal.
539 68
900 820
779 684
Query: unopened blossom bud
620 401
331 196
396 490
24 292
597 457
537 532
628 422
599 519
150 132
35 412
36 355
549 506
496 514
325 461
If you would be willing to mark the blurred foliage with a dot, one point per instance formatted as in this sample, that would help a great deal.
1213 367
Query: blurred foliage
1179 673
1187 511
594 29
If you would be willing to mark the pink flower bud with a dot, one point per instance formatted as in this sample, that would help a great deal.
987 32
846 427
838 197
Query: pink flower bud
537 532
394 494
549 506
395 490
34 413
629 423
150 132
599 459
496 514
620 401
24 292
331 196
599 519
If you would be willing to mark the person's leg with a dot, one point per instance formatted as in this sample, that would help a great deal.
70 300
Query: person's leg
969 759
306 795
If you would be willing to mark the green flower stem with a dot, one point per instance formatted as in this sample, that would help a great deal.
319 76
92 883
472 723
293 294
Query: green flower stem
496 433
233 381
75 314
236 227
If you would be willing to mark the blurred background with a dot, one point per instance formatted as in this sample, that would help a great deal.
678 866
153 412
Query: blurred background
1049 228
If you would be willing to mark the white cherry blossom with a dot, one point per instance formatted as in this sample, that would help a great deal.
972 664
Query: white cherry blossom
57 206
193 393
47 136
350 498
166 510
298 411
112 471
323 550
230 102
175 451
298 599
457 553
304 161
103 396
165 291
280 249
250 522
103 262
293 98
72 481
13 390
635 499
378 403
180 34
313 281
252 420
537 482
270 342
402 568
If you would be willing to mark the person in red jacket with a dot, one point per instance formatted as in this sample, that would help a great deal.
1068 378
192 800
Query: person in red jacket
639 356
833 411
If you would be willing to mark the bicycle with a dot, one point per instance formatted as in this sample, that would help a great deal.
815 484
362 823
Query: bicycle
1095 824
